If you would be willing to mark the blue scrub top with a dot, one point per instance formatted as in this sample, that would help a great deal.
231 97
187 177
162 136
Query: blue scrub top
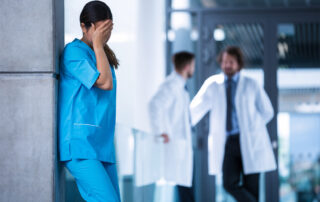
87 114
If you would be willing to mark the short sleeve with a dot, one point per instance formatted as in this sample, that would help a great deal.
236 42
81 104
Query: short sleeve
78 64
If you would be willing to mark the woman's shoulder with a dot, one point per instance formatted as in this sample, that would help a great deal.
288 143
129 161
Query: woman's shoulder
75 49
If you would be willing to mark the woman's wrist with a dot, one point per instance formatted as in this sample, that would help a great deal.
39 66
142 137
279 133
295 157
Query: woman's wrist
97 46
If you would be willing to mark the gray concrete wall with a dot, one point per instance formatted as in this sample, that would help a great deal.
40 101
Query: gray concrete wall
31 40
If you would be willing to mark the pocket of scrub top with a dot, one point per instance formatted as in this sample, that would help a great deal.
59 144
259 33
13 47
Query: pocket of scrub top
87 132
86 124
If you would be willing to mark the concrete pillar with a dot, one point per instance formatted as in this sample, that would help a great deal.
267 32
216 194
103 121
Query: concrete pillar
31 39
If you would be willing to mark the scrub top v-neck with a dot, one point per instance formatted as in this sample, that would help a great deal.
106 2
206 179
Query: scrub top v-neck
87 114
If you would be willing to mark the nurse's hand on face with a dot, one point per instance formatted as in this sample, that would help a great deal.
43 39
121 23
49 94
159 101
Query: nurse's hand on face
102 33
166 138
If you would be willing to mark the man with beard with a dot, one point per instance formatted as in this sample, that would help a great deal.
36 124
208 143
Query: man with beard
238 142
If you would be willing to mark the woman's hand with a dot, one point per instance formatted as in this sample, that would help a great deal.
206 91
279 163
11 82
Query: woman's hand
102 33
100 36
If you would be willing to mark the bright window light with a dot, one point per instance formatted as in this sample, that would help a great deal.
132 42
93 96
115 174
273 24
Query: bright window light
171 35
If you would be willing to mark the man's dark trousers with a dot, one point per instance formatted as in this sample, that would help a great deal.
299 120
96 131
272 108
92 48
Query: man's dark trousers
244 188
187 194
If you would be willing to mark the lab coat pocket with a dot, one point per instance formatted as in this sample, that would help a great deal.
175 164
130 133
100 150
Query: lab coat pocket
258 135
179 149
255 123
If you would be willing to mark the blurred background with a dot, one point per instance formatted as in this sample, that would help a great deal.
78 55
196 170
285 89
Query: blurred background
281 43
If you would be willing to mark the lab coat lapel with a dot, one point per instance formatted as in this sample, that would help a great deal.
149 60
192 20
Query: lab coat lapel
223 104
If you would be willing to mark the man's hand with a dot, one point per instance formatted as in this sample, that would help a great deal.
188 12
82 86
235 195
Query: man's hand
165 138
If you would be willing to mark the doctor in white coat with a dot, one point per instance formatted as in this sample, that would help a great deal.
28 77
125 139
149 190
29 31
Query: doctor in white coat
238 142
170 119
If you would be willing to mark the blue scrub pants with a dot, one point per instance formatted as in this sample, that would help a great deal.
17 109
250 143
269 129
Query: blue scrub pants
97 181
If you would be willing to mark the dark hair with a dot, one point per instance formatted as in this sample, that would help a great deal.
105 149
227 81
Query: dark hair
95 11
181 59
234 51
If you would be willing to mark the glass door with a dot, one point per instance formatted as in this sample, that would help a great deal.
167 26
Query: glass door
299 111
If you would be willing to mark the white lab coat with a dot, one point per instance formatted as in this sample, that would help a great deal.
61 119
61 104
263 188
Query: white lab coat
254 111
169 113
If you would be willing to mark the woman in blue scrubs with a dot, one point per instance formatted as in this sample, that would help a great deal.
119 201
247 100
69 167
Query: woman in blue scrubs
87 106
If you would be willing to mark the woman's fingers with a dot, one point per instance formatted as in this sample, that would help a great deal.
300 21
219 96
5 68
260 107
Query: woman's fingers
103 31
105 24
93 26
107 28
107 31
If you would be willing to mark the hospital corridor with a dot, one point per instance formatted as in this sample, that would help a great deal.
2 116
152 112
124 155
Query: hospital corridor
160 101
